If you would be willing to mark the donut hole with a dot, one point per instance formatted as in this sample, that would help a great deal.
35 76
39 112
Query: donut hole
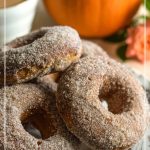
116 98
39 124
26 40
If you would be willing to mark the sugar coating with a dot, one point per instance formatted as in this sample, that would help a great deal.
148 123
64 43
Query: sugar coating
81 90
23 101
88 49
49 49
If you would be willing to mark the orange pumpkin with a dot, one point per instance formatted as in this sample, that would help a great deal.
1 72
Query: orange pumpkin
93 18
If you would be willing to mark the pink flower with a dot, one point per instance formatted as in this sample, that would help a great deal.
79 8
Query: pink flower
135 42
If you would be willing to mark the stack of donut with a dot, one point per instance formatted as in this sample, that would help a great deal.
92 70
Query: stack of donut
70 91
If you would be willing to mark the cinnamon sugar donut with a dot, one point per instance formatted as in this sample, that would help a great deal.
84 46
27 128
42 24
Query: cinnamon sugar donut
81 90
47 50
92 49
30 102
88 49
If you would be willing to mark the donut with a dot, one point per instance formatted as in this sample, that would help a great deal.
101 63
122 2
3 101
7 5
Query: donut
81 90
50 49
92 49
88 49
30 103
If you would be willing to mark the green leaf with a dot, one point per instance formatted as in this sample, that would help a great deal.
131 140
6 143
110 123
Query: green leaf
147 4
117 37
121 52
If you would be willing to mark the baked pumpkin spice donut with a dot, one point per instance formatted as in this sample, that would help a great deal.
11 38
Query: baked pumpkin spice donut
88 49
31 102
49 49
81 90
